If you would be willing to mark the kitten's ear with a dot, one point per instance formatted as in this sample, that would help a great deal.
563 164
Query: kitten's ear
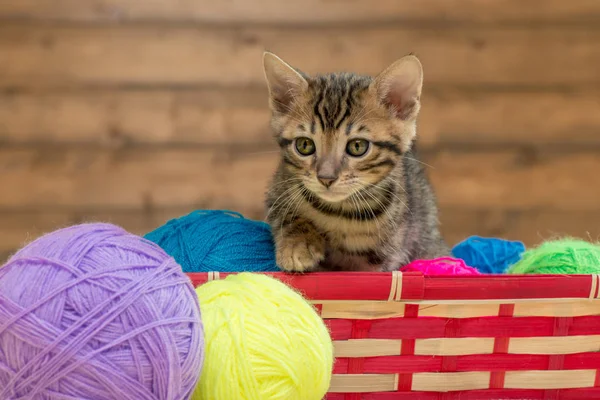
399 87
284 82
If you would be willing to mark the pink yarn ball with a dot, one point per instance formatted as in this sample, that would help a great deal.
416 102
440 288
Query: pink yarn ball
441 266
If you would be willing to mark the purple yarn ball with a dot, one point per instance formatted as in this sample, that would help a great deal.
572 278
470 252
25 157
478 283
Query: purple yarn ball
94 312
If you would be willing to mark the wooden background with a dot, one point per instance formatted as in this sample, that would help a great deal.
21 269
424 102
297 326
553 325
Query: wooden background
136 111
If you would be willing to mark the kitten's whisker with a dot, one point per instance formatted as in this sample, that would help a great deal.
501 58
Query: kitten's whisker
363 113
370 209
300 110
355 196
286 202
354 208
286 181
291 112
385 190
377 221
276 206
284 106
367 205
419 161
387 211
294 204
292 200
299 202
280 196
362 121
294 113
359 199
379 186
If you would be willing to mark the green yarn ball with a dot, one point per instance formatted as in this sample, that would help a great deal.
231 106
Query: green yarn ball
565 256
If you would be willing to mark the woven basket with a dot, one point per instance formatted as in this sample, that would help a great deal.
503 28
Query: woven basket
407 336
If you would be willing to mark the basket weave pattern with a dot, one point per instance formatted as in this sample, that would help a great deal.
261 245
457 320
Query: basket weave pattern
408 336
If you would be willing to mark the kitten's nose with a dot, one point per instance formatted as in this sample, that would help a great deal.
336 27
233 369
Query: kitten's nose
327 180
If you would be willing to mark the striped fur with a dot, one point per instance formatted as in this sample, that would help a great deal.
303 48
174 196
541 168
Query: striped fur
380 211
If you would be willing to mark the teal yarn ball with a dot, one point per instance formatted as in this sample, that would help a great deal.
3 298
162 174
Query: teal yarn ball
564 256
217 240
489 255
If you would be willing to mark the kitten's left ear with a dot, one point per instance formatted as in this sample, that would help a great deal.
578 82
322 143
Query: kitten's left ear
399 87
284 82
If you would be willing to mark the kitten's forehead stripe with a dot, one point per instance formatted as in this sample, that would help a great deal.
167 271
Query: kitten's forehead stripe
349 128
349 103
384 163
319 98
283 142
389 146
335 98
345 105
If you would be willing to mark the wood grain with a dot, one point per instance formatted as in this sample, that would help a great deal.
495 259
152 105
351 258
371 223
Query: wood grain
239 116
306 12
144 55
138 177
132 117
531 226
132 178
522 180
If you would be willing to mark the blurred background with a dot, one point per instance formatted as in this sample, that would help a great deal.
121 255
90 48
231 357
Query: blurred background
135 111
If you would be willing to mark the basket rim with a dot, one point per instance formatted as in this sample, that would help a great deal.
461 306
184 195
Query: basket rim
414 286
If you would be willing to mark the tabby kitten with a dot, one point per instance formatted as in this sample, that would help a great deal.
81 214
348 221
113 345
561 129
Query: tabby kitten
349 193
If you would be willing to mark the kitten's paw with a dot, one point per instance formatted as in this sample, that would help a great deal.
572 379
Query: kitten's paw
297 253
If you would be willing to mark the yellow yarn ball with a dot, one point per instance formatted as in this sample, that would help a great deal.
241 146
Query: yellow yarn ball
263 341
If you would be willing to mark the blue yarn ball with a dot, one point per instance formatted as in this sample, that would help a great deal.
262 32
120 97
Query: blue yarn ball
216 240
489 255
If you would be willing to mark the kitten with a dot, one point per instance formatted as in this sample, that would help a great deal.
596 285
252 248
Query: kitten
349 193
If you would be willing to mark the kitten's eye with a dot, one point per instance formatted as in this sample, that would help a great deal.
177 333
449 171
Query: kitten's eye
305 146
357 147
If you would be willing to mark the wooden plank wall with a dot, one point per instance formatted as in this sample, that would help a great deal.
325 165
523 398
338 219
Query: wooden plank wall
138 111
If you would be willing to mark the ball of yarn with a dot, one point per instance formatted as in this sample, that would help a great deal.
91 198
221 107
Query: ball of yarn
93 312
215 240
565 256
264 341
489 255
440 266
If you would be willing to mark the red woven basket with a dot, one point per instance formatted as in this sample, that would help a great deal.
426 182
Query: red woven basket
408 336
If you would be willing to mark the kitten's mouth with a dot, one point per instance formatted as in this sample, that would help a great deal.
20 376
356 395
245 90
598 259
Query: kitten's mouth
330 195
333 196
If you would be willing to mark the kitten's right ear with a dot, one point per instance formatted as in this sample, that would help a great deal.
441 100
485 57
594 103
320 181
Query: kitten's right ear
283 81
399 87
